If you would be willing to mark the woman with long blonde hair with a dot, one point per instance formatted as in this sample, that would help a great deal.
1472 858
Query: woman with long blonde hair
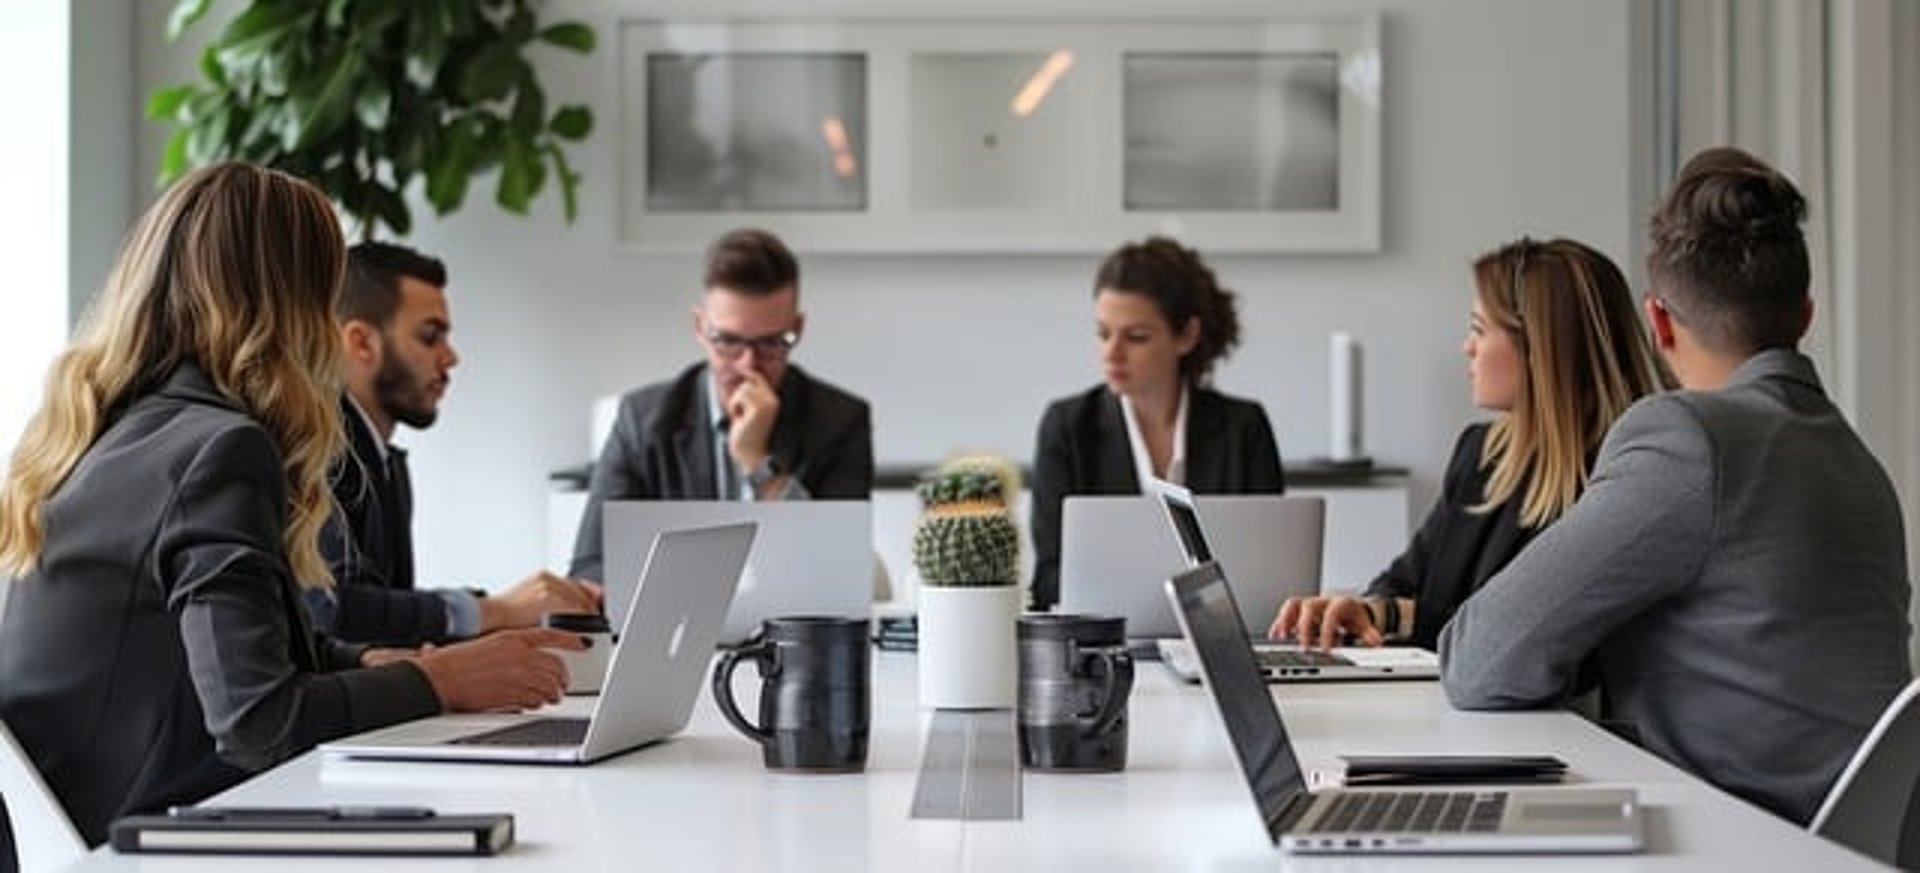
160 518
1556 350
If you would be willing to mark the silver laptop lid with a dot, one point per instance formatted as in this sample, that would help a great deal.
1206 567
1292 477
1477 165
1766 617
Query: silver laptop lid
1539 821
812 557
1211 619
1177 502
668 638
1117 551
653 680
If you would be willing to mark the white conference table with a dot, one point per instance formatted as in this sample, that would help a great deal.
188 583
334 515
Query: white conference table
703 801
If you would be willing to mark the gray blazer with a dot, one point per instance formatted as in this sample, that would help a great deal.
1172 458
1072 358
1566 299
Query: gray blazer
1737 564
661 448
160 652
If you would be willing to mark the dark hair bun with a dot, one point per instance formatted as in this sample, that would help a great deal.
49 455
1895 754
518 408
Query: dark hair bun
1726 198
1727 247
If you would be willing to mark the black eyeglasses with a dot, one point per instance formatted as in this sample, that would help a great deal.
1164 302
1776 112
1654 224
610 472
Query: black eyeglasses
733 345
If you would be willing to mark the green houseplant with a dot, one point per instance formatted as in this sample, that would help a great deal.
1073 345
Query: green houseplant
363 96
966 548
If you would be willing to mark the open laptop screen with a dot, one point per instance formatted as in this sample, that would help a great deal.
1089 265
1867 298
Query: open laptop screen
1212 621
1186 523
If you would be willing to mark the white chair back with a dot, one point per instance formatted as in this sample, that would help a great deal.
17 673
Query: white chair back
44 838
1871 807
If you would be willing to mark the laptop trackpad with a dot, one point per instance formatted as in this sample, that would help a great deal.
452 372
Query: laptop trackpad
1591 811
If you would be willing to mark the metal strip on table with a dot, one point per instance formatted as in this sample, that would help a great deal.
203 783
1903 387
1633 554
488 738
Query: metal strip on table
970 769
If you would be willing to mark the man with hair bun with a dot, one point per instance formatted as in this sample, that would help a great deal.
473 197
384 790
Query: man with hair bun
1736 567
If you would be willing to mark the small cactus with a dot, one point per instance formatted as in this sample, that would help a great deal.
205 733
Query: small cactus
966 534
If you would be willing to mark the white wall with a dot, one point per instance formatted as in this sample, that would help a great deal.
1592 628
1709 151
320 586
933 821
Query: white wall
33 173
1502 117
106 109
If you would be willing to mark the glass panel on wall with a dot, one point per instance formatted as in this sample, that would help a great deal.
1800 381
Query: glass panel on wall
732 132
992 130
1231 132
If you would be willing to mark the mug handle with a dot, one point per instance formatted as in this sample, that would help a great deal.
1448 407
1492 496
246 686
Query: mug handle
760 651
1117 666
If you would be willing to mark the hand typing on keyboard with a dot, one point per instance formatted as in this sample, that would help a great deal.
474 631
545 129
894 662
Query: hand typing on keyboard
1321 621
504 670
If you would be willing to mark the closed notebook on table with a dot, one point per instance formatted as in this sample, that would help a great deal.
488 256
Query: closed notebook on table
312 832
1363 770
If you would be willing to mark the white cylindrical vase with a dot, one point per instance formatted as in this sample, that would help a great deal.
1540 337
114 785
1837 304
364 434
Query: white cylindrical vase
1343 393
969 655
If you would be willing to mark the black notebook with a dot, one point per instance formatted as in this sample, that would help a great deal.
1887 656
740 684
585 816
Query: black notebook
1365 770
313 831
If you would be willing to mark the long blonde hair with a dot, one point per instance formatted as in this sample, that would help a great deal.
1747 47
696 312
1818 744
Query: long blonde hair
1585 359
234 269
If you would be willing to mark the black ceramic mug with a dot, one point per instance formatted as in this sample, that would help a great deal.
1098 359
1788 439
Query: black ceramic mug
1075 675
814 709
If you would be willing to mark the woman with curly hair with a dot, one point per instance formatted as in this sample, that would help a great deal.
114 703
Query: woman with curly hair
1163 321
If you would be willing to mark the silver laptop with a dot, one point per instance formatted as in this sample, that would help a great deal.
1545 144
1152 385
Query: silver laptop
1538 821
1115 552
812 557
1278 662
666 642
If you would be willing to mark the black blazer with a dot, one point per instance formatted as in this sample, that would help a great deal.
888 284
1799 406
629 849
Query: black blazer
159 652
661 448
368 543
1084 449
1456 550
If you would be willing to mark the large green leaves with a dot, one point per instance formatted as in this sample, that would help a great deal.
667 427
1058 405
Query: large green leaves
363 96
521 175
572 123
572 35
184 14
162 104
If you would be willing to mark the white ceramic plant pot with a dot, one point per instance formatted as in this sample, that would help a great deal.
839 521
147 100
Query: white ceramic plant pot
969 656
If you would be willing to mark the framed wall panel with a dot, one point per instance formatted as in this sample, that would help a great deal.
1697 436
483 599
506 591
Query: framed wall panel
1002 136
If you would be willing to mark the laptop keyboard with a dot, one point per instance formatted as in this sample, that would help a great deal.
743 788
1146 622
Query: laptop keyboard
539 732
1412 812
1299 658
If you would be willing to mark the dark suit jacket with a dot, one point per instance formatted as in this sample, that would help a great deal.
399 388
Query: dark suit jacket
1084 449
661 448
159 652
1456 550
369 545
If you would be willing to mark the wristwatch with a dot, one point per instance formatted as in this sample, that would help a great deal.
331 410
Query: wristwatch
762 473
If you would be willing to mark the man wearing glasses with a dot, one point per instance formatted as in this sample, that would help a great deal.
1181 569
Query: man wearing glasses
743 425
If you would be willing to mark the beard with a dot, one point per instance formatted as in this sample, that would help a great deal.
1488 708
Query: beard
403 394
